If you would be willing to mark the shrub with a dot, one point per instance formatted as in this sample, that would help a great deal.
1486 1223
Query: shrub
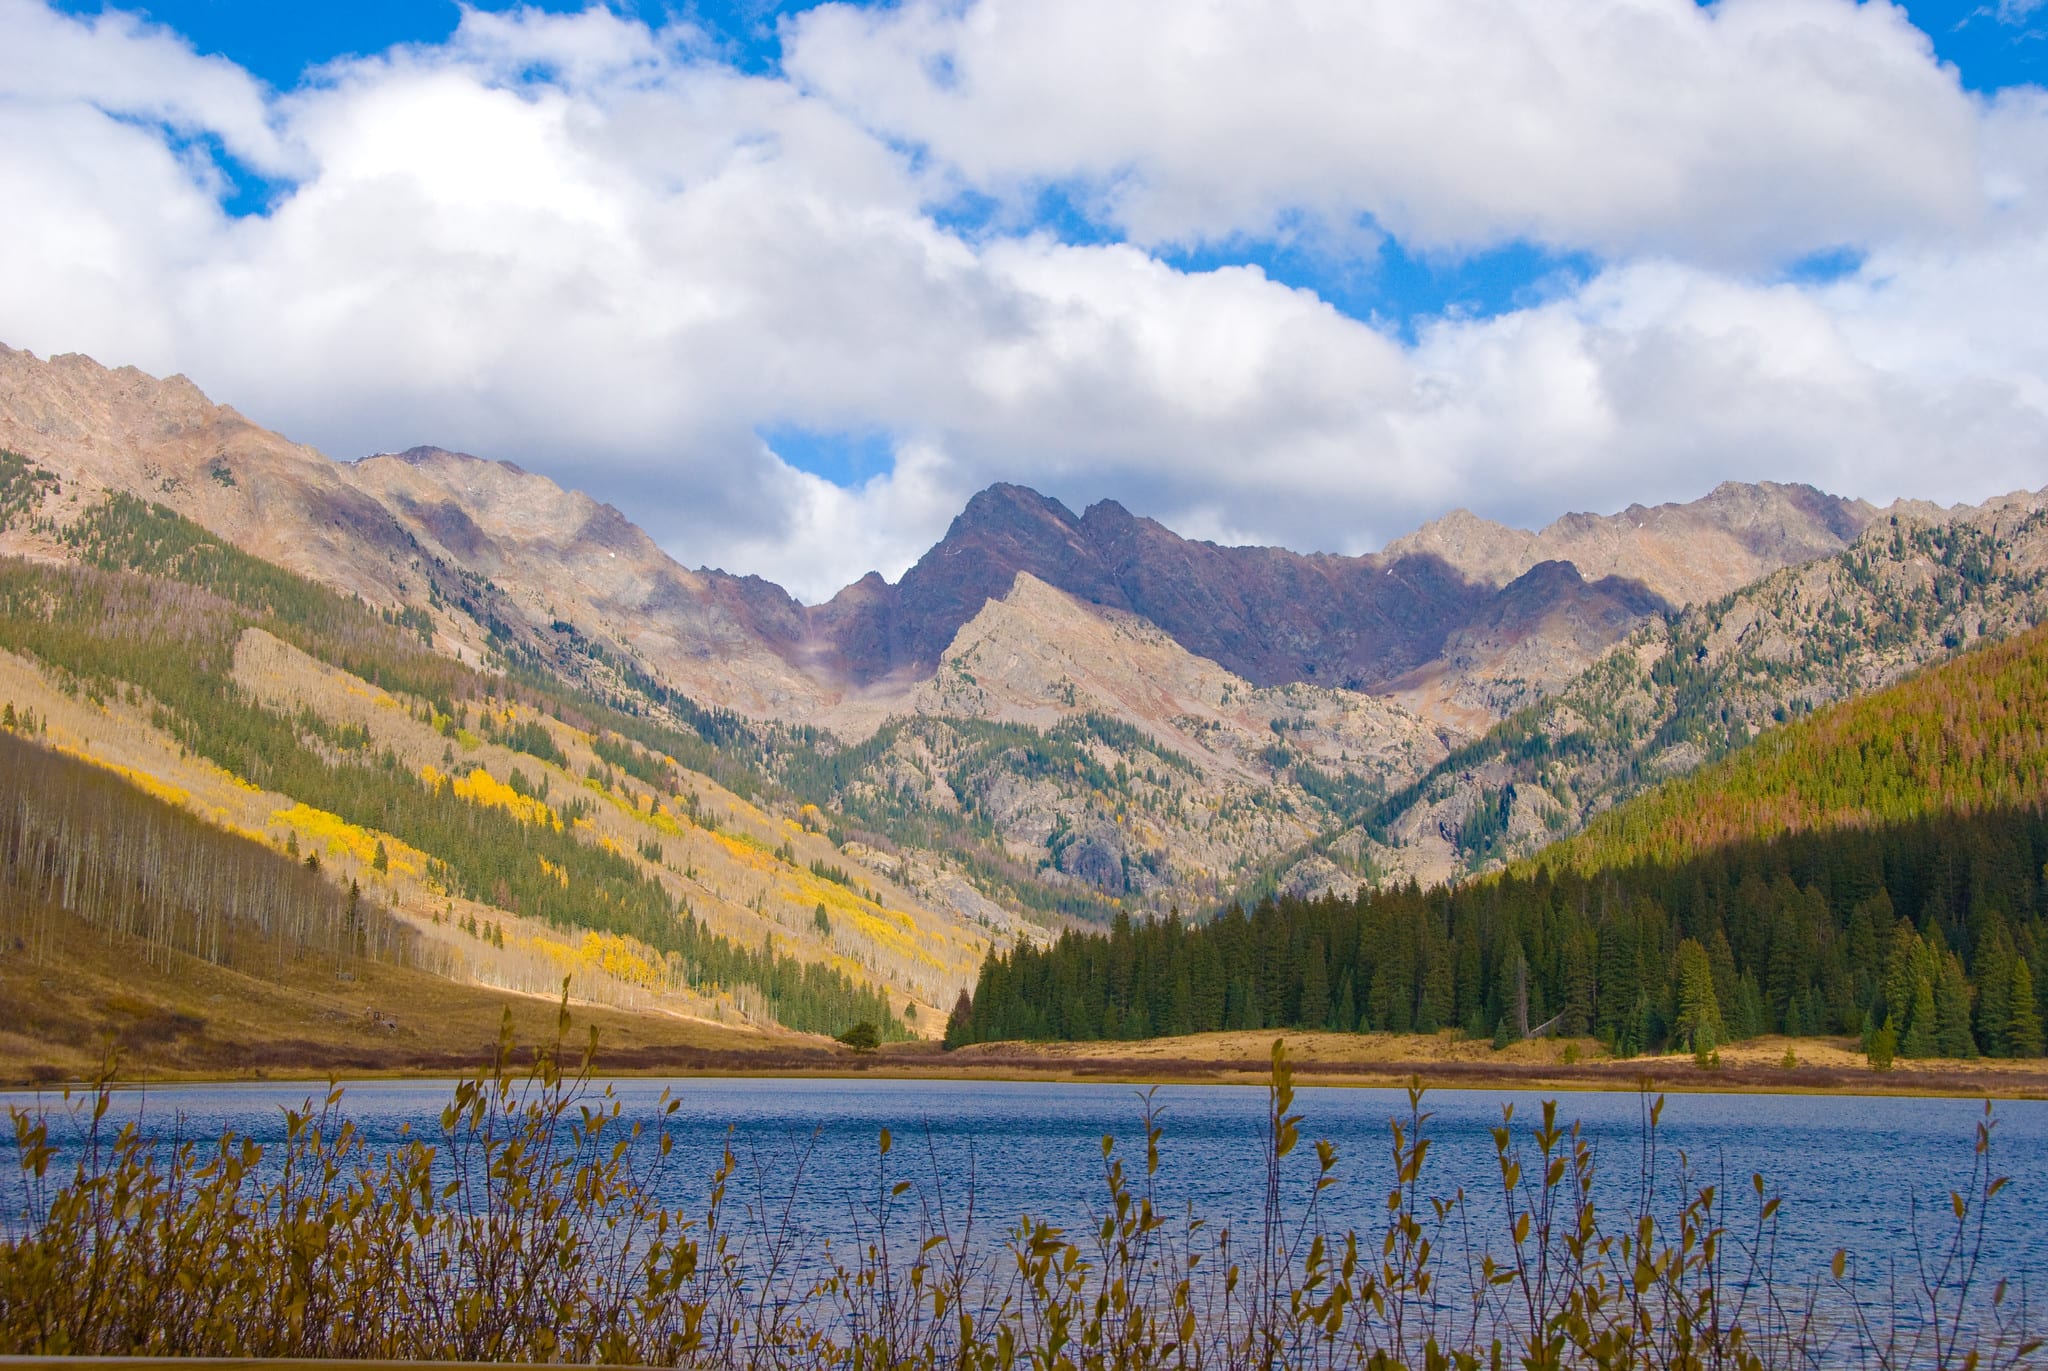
525 1229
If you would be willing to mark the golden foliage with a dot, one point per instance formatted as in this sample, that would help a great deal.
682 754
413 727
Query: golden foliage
481 788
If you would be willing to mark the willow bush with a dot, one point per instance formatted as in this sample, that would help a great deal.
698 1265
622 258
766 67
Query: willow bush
526 1228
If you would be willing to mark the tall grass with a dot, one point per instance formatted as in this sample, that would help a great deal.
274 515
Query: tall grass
524 1226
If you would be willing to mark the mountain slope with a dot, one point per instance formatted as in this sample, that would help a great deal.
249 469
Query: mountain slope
1684 554
506 562
522 836
1912 590
1962 738
1025 622
1104 756
1880 868
1274 616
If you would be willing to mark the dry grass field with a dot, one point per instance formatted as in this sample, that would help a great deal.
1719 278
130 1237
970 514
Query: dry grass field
1450 1060
194 1020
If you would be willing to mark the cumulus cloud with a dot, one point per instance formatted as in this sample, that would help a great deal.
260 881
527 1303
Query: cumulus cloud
123 65
1735 133
592 247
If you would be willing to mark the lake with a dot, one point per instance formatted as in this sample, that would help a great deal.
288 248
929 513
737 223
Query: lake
1846 1164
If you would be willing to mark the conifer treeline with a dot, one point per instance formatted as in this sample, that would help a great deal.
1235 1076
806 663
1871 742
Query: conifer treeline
77 838
1930 937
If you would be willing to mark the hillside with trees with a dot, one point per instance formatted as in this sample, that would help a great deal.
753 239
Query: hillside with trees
457 790
1916 588
1879 869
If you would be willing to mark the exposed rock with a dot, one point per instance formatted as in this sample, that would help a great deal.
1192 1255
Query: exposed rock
1682 553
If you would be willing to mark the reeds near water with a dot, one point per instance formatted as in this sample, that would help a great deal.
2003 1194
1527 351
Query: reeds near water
525 1227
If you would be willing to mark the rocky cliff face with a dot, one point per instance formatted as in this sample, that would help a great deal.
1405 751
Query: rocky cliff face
1466 619
565 559
122 430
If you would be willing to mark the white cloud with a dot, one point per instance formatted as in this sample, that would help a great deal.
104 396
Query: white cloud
124 65
620 270
1742 132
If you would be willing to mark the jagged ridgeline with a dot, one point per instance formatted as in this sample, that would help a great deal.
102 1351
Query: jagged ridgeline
154 613
1689 689
79 839
1876 868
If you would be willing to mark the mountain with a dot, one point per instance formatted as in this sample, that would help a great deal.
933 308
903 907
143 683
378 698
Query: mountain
1919 585
1361 623
1465 620
577 569
1060 713
1962 738
1682 553
1877 868
516 829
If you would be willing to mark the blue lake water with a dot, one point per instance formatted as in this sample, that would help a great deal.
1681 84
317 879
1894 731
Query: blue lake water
1847 1165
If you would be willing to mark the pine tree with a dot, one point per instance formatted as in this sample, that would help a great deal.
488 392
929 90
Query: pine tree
1438 997
1577 1011
1902 970
1919 1039
1952 1035
1315 986
2023 1027
1513 1023
1994 989
1721 959
1699 1014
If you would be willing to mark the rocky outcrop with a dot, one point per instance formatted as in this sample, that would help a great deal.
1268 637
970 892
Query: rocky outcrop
1266 614
1682 553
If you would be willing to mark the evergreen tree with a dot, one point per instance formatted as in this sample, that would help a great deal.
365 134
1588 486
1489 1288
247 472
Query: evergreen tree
1577 1009
1735 1025
960 1023
1952 1011
2023 1027
1905 967
1994 989
1512 1024
1436 1008
1919 1038
1698 1028
1315 986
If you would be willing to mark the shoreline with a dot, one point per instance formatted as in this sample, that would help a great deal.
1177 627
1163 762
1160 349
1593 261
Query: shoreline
1821 1067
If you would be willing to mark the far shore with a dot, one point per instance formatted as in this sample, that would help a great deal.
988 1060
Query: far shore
1442 1061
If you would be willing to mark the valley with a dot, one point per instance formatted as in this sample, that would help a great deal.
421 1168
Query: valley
697 797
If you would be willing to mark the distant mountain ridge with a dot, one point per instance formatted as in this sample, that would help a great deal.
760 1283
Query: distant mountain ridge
1071 714
1918 586
1682 553
1463 620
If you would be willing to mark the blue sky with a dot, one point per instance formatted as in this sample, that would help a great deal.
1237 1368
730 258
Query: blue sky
788 282
1988 50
